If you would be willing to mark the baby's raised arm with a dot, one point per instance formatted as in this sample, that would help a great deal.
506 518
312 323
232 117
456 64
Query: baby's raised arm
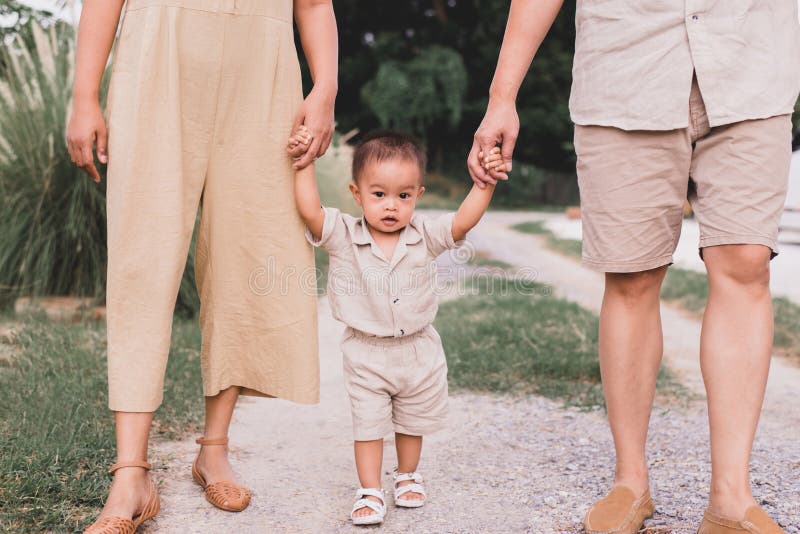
474 206
306 198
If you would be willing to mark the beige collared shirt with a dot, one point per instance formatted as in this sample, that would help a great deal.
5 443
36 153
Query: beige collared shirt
380 296
634 61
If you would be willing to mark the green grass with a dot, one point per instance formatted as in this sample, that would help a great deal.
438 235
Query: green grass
569 247
787 327
57 438
483 261
523 340
688 289
531 227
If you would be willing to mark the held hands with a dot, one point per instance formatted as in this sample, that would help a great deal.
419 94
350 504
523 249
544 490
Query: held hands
493 163
299 142
500 125
316 116
87 127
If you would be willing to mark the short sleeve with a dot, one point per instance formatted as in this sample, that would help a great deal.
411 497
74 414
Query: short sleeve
438 233
334 231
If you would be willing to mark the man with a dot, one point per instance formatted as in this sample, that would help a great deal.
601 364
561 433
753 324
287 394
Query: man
672 99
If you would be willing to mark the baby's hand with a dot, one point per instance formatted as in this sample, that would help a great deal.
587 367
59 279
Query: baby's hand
494 161
299 142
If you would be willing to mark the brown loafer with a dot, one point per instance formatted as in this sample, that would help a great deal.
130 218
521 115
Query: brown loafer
619 512
756 521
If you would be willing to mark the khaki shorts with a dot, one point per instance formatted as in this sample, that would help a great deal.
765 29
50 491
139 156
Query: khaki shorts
633 186
395 384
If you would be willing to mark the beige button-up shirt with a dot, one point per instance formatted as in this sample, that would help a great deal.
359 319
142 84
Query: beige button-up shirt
369 292
634 61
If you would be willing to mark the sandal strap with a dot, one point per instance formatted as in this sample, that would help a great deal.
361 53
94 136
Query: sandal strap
211 441
135 463
402 490
402 477
372 492
366 503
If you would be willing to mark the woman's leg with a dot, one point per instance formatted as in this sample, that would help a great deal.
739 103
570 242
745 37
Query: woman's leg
735 351
212 461
129 489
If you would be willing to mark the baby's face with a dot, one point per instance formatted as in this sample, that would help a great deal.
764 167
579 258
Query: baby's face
387 193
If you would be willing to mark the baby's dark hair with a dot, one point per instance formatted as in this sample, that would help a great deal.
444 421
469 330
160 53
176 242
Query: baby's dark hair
382 145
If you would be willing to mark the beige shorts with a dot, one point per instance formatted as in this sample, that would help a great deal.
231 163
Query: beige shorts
395 384
633 186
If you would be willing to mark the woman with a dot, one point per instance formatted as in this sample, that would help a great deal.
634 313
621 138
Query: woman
203 97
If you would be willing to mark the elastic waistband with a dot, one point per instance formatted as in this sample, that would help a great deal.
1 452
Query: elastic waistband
384 341
275 9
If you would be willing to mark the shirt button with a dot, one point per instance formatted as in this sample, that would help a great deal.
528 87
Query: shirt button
402 332
695 17
395 301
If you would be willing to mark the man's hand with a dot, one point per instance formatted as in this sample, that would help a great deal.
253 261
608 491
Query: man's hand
500 126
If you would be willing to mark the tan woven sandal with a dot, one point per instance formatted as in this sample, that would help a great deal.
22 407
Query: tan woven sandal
112 524
225 495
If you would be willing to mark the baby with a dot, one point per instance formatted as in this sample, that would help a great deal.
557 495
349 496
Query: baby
381 285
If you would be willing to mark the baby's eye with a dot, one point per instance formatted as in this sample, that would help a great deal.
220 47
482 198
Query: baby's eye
404 195
378 194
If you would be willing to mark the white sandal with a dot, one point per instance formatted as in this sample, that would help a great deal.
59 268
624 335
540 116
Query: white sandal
416 487
363 502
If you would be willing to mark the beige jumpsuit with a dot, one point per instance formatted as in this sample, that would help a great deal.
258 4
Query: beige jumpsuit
202 98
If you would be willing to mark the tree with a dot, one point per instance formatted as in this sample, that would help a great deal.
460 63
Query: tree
399 66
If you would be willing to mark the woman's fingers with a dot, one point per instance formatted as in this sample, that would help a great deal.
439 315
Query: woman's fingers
87 159
326 142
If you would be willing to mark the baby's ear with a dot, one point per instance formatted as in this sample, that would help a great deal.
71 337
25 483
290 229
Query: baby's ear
356 193
421 190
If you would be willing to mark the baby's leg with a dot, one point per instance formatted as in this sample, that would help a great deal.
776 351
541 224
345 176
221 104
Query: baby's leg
369 458
409 449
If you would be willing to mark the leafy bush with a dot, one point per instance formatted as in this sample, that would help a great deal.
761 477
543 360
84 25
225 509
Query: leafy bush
413 95
52 216
52 221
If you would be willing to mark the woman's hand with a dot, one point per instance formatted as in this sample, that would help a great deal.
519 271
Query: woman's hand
500 126
316 114
86 128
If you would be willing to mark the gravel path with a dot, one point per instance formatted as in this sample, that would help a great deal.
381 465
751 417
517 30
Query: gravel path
505 464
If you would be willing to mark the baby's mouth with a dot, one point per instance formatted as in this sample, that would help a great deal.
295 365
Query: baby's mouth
389 220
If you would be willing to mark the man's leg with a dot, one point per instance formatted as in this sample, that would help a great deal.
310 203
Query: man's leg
631 345
735 350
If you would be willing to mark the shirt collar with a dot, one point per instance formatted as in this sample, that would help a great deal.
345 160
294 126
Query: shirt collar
409 235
